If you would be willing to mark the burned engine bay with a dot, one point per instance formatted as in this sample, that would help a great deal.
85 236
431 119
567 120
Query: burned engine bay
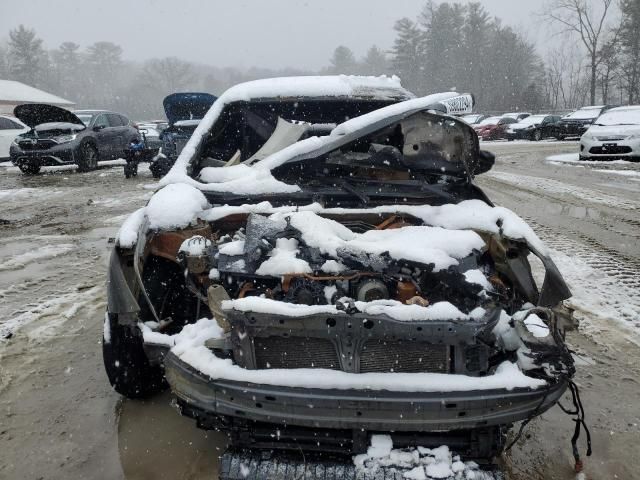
278 257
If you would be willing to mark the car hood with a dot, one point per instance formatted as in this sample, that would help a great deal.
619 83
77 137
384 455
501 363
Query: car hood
517 126
614 130
33 114
187 106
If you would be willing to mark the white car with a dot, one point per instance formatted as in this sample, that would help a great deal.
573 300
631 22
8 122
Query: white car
614 135
10 128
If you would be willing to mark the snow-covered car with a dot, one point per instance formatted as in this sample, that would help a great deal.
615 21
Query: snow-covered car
494 128
10 128
60 137
329 270
615 135
184 112
533 127
574 124
473 118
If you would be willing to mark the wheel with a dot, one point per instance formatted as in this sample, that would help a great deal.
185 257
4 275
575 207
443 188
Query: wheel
537 136
29 168
160 167
131 169
88 158
126 364
560 137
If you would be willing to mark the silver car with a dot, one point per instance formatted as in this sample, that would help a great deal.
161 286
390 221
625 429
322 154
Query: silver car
614 135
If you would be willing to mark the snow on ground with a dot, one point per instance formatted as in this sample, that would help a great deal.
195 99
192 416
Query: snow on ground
24 193
625 173
416 463
39 254
557 187
575 158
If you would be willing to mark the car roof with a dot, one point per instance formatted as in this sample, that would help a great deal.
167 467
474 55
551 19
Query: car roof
95 112
626 108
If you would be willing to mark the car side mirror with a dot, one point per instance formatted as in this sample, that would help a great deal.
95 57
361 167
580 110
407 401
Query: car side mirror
97 128
486 160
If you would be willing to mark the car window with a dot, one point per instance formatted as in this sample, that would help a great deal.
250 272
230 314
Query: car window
101 121
114 120
124 120
5 124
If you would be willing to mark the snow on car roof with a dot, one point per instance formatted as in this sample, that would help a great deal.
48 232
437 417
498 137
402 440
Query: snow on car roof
339 86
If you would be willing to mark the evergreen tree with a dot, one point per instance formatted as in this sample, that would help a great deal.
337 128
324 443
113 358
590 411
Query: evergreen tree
407 53
343 61
477 32
26 56
375 62
630 41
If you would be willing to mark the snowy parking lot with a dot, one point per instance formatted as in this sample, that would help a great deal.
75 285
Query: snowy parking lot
56 398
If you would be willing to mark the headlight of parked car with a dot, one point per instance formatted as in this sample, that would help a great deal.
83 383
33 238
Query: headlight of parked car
65 138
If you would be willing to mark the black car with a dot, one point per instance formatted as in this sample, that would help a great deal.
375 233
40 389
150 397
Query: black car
576 123
61 137
534 127
184 112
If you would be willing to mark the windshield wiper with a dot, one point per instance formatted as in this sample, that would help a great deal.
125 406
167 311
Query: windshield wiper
350 188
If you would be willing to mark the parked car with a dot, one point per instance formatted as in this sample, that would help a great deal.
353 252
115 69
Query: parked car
60 137
517 115
614 135
10 128
152 132
494 128
473 118
534 127
576 123
321 266
184 112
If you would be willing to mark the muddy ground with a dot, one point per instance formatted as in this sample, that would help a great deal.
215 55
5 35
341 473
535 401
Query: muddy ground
61 420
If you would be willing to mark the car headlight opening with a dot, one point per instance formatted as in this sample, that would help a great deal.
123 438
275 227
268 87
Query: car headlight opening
65 138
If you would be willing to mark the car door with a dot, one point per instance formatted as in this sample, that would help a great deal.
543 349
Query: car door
9 130
101 134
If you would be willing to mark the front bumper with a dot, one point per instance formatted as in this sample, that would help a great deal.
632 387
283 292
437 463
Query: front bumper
58 155
610 150
519 134
354 409
566 130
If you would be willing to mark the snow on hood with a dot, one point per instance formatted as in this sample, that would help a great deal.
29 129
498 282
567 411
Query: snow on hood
47 127
175 206
33 114
376 88
613 130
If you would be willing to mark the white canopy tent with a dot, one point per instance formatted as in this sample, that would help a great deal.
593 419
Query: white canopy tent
14 93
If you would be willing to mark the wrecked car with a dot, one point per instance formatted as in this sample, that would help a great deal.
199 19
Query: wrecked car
60 137
183 111
320 266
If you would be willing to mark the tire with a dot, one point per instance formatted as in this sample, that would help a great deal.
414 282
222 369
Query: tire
160 167
560 137
29 168
537 136
126 363
88 157
131 169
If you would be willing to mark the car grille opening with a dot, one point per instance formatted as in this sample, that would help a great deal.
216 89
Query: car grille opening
405 357
295 352
610 150
40 144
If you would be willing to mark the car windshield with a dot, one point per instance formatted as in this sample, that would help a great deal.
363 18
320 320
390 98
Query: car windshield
491 121
620 117
584 113
470 118
85 117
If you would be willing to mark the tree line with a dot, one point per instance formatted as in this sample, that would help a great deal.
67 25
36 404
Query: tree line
448 46
453 46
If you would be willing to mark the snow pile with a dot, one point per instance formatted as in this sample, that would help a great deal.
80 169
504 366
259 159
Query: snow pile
175 206
241 179
282 259
466 215
418 463
424 244
392 308
191 335
128 233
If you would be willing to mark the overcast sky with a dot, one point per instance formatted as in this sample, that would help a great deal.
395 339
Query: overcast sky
264 33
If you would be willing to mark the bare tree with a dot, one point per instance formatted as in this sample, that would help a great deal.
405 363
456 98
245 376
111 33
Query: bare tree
168 74
580 17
